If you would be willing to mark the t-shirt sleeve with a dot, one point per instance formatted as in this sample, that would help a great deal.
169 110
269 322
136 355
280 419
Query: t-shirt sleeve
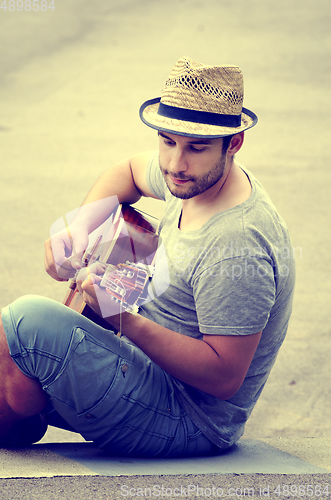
155 178
235 296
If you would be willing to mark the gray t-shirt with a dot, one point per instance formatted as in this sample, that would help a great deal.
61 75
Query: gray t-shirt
233 276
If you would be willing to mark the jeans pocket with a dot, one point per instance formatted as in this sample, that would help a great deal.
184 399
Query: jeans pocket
90 371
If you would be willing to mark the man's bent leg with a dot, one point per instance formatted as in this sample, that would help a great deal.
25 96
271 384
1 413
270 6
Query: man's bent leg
20 396
45 338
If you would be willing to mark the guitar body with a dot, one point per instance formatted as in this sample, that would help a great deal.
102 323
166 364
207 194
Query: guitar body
128 235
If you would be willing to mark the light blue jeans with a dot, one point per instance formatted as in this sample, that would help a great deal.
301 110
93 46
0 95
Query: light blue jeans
104 387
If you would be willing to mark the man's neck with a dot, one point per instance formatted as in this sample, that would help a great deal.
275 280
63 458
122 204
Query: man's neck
234 189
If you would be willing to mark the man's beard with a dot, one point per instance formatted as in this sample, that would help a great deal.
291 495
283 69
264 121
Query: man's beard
196 185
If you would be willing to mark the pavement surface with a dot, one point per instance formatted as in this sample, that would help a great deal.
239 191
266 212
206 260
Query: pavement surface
71 83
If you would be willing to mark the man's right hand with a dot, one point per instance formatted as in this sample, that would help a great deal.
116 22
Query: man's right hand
64 252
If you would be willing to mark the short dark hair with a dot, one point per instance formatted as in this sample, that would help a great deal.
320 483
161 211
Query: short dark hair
226 143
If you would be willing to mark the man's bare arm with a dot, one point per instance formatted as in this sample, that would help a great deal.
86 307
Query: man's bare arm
124 182
216 365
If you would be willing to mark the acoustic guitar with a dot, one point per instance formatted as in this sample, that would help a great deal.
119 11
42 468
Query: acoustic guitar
126 244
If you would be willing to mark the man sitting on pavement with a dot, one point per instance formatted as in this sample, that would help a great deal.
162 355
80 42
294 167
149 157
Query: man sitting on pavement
185 375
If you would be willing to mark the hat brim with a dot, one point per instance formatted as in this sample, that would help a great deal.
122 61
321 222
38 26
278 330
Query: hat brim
149 115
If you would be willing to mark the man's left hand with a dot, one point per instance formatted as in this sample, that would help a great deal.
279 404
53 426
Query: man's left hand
96 297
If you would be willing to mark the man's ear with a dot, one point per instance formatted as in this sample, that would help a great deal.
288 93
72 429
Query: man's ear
236 143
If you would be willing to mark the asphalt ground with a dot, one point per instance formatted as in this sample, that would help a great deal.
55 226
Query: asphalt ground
71 83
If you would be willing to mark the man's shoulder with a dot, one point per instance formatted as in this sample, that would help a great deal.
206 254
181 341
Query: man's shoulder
142 160
140 167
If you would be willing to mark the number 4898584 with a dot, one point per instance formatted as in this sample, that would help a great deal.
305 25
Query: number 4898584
27 5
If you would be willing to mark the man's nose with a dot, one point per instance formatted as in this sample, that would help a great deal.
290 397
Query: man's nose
178 160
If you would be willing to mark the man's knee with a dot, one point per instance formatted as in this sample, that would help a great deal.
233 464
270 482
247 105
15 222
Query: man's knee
30 311
37 324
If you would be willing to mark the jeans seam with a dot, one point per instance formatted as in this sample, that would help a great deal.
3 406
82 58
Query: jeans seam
165 413
144 431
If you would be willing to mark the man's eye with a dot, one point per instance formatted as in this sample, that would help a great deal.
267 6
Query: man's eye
197 150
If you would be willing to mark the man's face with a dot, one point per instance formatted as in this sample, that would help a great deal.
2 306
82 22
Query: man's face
190 166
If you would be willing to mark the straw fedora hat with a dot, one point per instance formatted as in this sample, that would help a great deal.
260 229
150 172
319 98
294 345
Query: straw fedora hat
199 100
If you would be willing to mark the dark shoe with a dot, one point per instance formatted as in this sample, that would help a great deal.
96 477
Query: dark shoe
26 432
54 419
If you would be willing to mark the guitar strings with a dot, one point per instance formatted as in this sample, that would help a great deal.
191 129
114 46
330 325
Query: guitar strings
120 332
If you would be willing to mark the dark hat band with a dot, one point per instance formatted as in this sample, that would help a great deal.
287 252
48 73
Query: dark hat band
190 115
